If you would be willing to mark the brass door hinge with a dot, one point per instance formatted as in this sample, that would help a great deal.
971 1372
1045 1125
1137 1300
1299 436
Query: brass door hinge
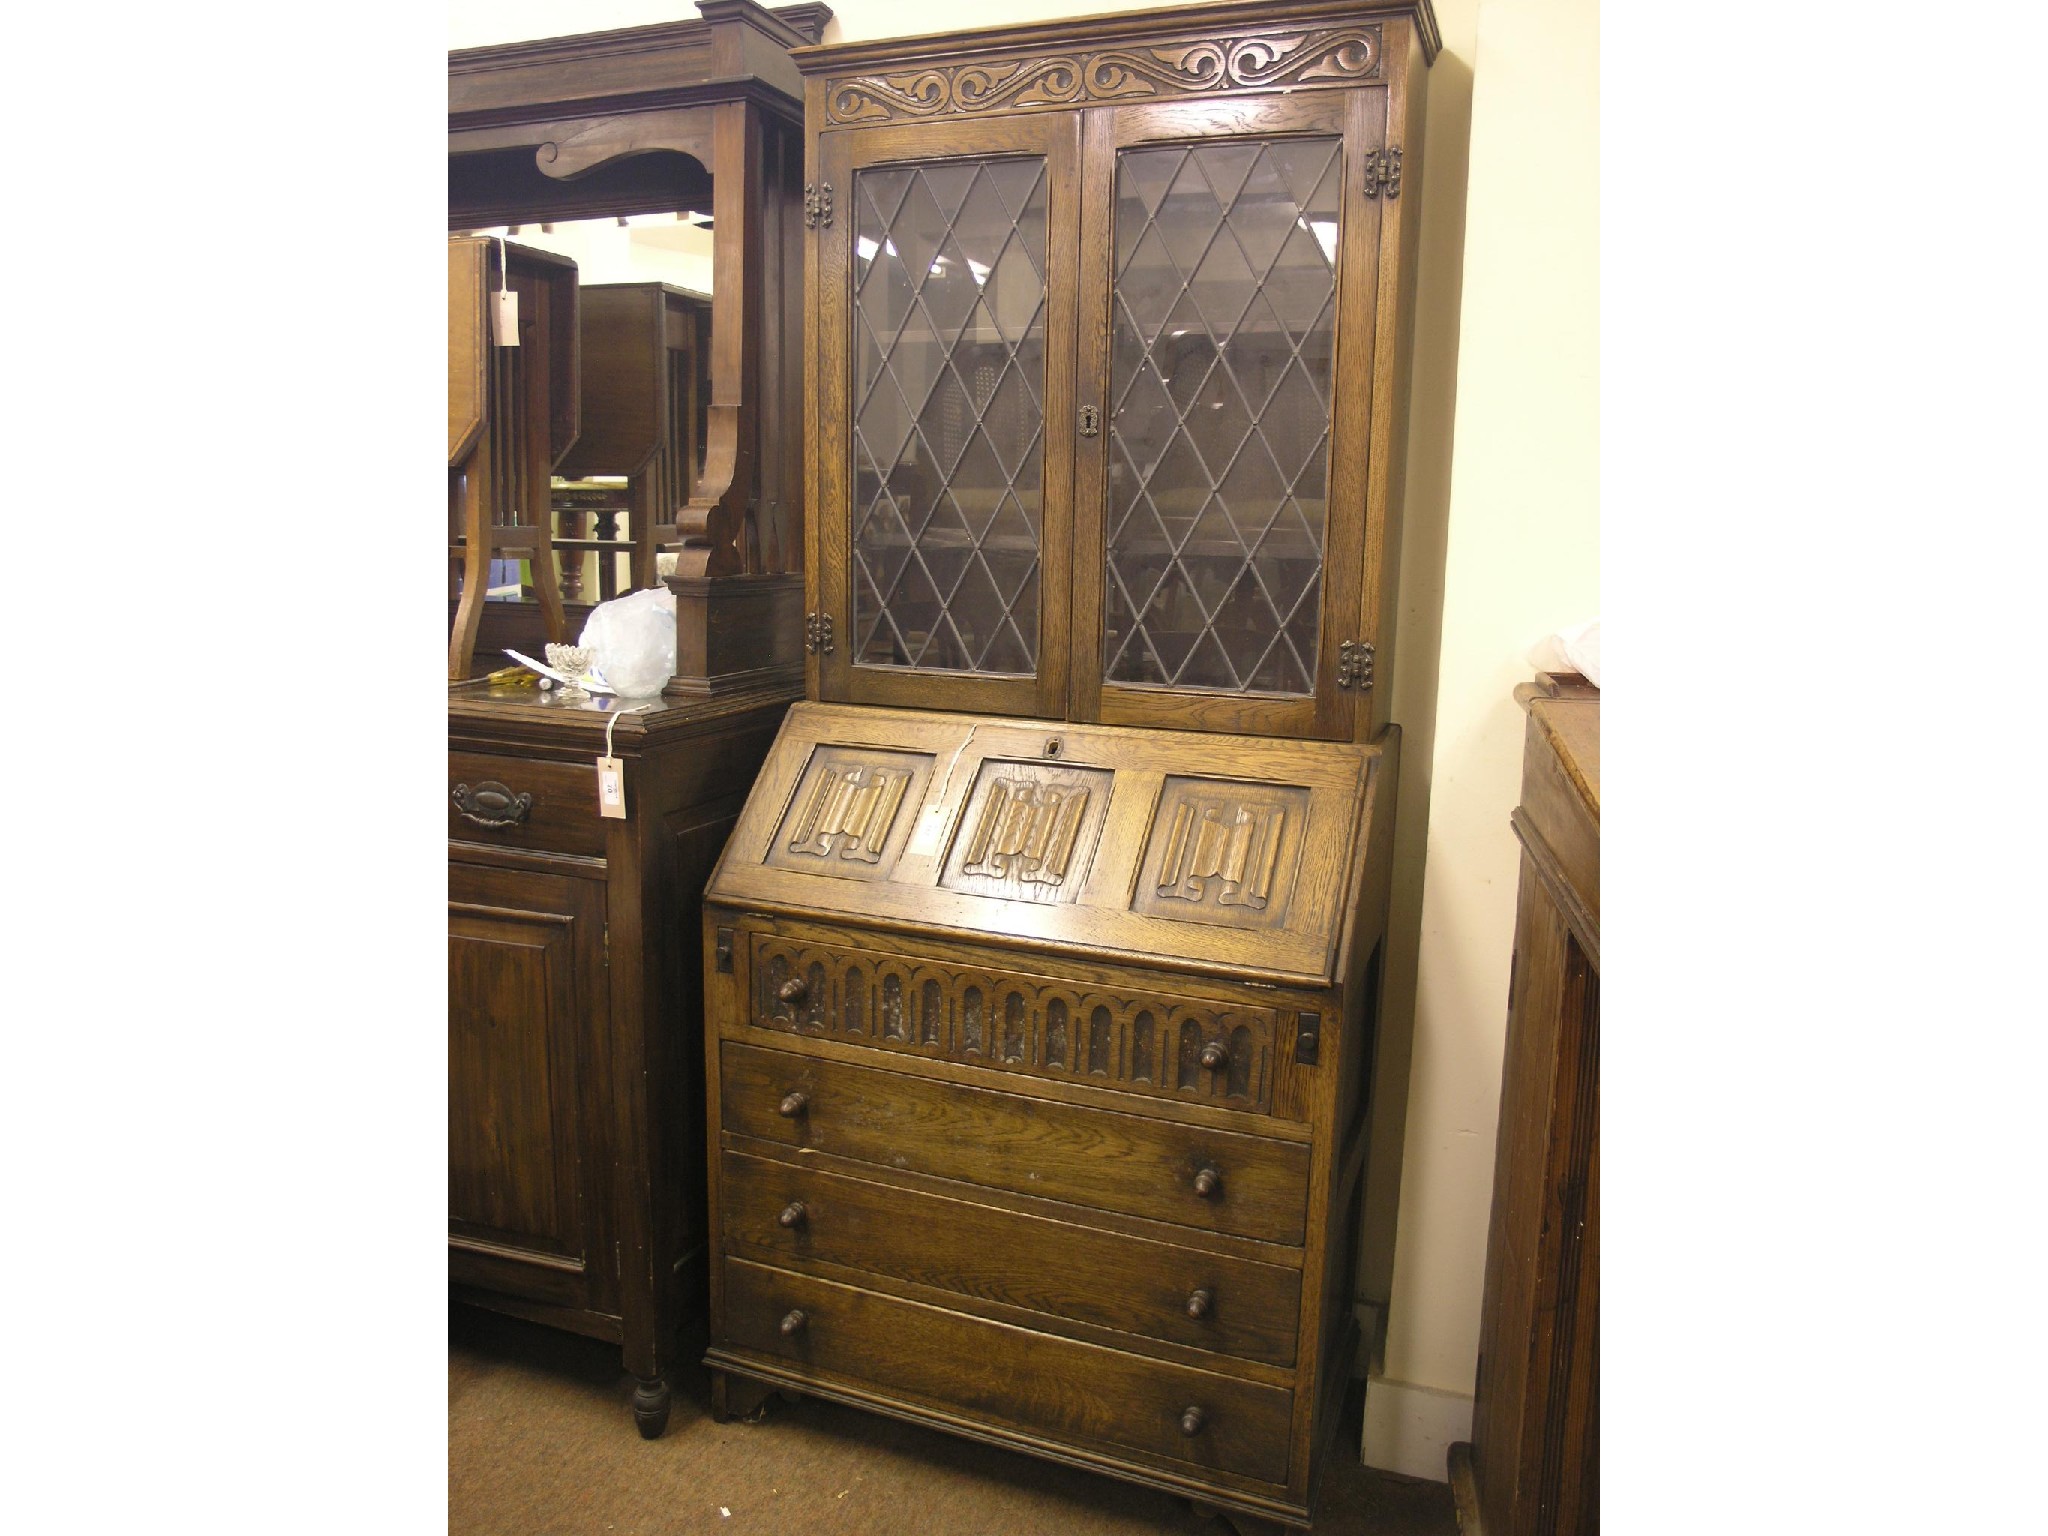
1354 665
818 204
1383 172
818 633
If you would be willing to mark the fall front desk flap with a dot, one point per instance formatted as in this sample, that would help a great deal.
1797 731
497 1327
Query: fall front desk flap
1236 854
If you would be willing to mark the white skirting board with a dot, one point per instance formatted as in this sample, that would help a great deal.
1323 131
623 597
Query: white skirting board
1409 1428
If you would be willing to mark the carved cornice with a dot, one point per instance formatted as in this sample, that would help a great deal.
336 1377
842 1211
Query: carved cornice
1329 55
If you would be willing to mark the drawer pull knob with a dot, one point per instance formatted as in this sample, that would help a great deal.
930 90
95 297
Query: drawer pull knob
1192 1421
793 1322
792 1105
792 991
1215 1056
1199 1303
492 804
793 1214
1207 1181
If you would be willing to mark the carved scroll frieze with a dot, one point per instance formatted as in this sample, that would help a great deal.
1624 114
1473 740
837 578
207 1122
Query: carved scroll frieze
1334 55
1223 852
1028 831
847 810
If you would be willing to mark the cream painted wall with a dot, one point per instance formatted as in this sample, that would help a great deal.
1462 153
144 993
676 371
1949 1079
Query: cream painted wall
1500 546
1522 560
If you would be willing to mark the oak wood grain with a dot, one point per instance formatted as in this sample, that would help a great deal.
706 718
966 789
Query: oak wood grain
1008 1141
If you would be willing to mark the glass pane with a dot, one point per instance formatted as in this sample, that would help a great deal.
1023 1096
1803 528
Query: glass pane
948 431
1223 328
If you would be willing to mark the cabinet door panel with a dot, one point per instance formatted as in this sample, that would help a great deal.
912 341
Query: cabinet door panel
947 432
1224 251
526 1020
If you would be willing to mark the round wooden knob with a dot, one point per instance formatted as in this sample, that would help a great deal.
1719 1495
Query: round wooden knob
793 1214
1207 1182
1199 1303
793 990
792 1105
1192 1421
1215 1056
793 1322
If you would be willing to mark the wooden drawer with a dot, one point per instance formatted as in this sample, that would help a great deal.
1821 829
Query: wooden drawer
1043 1026
518 802
1080 1393
1255 1187
788 1214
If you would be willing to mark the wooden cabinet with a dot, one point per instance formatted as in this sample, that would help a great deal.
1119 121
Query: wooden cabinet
1042 969
1108 411
1037 1062
1533 1465
575 1182
576 1097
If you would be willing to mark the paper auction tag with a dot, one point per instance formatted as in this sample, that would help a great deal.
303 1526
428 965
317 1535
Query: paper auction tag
611 788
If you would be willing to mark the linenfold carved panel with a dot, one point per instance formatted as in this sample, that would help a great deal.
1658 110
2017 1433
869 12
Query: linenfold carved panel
1184 1048
1338 55
848 817
1028 831
1223 852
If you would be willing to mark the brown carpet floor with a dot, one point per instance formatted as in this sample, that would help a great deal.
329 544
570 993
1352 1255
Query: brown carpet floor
541 1443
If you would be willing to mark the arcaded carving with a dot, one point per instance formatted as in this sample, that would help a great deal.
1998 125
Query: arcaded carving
1337 54
1031 1024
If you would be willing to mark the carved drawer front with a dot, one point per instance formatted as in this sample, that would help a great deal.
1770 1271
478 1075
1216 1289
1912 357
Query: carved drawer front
517 802
1182 1048
1219 1181
794 1216
1016 1377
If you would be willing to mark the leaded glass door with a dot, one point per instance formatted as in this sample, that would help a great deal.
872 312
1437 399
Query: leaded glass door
1220 510
946 298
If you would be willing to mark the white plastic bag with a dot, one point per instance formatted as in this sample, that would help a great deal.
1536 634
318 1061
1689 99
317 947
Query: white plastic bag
633 641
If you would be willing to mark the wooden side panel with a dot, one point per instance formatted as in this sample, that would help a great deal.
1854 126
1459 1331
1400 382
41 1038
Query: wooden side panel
467 339
624 373
1532 1430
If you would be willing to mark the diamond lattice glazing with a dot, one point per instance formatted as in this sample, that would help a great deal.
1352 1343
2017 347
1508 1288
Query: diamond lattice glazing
948 435
1223 323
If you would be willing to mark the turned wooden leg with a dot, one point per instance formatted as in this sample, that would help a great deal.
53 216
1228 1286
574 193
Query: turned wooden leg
650 1406
737 1397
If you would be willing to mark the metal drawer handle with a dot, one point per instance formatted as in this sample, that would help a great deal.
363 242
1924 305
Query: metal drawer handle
1208 1181
794 1321
793 1104
792 990
1215 1056
1192 1421
492 804
793 1214
1199 1303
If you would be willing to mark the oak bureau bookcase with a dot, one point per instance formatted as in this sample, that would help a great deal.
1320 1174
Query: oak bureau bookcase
576 1178
1042 964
